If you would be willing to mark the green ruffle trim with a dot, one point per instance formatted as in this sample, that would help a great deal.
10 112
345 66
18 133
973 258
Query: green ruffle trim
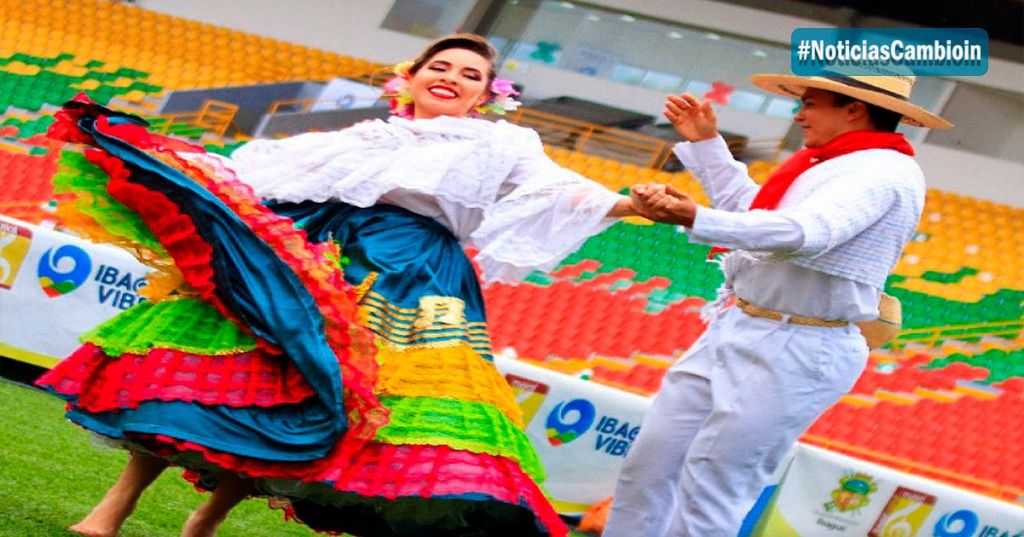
76 175
466 425
185 324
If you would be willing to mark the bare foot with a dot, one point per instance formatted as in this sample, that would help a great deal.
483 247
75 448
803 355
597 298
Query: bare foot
82 529
106 519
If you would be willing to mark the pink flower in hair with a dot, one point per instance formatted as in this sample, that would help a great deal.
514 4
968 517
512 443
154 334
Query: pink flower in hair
503 86
502 99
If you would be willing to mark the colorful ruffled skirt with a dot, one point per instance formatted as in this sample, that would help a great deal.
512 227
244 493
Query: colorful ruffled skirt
361 400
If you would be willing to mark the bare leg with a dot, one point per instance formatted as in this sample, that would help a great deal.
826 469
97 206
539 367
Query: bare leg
106 518
229 492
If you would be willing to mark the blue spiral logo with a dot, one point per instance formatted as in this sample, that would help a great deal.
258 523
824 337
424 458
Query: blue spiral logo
957 524
568 421
63 270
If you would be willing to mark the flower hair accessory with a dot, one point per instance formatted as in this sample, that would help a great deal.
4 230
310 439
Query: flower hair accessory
501 101
398 88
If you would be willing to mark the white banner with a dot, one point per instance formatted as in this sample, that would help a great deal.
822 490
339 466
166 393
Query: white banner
825 494
581 430
55 286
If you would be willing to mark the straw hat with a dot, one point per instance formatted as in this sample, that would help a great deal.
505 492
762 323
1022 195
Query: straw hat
891 92
885 328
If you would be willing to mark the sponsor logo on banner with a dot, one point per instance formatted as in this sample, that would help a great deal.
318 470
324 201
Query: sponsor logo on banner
118 288
14 243
63 269
966 523
569 420
852 495
904 515
530 394
615 436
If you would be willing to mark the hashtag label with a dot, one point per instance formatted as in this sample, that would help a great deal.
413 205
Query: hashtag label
889 51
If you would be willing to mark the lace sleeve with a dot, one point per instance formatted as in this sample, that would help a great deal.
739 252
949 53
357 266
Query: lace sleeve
304 166
546 213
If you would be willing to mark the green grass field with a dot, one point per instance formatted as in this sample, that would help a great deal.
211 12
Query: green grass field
51 475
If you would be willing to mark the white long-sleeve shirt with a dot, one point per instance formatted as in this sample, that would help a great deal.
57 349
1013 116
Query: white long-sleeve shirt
826 250
489 183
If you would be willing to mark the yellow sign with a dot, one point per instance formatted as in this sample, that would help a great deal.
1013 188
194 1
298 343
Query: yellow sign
904 515
530 395
14 243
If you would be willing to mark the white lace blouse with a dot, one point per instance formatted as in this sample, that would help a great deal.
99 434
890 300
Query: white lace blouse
490 183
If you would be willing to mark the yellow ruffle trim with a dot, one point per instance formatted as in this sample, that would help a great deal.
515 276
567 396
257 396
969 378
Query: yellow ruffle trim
450 372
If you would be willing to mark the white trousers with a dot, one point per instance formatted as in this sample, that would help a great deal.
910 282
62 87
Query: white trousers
724 418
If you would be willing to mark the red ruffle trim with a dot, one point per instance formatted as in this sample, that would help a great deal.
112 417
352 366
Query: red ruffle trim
65 127
313 264
392 471
102 383
192 255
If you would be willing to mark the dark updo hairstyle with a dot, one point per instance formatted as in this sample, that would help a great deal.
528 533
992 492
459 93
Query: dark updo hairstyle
471 42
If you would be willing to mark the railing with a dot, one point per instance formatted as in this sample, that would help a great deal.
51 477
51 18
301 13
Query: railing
214 117
932 336
291 106
593 139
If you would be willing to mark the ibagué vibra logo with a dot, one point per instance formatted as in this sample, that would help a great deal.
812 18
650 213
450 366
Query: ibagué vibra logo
962 523
62 270
569 420
118 288
967 523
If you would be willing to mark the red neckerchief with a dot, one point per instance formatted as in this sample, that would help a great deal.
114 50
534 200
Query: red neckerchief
775 188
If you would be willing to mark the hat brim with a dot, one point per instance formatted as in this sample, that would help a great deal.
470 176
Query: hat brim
794 86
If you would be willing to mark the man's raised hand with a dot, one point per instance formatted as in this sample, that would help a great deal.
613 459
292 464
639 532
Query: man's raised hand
692 119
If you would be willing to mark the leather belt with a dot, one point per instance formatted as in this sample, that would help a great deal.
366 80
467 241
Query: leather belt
757 311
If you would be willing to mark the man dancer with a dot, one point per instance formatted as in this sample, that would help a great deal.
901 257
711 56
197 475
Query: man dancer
812 250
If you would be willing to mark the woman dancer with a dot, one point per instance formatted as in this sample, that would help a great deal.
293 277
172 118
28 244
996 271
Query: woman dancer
370 405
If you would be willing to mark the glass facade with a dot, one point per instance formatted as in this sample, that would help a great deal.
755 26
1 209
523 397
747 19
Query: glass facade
427 18
635 51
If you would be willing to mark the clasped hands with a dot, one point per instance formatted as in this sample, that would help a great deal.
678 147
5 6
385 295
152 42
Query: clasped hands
663 203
